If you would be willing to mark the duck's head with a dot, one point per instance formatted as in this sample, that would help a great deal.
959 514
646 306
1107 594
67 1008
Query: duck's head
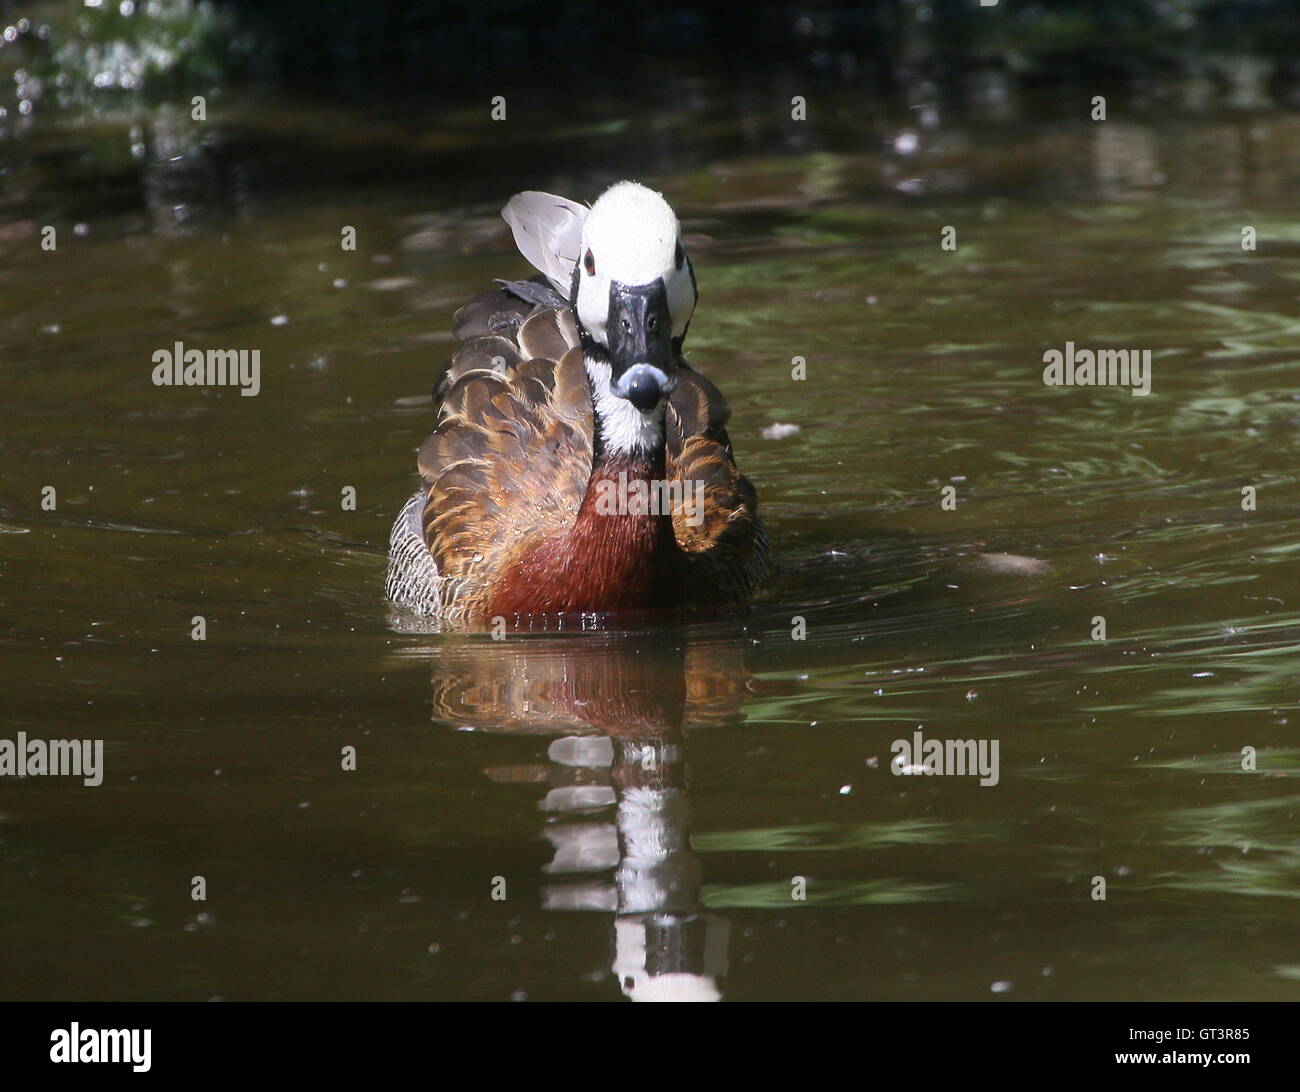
633 292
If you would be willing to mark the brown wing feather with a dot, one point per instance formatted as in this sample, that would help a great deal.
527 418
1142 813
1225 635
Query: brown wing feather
504 410
491 312
726 544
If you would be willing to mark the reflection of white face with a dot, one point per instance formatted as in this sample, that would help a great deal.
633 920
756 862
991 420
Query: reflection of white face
631 237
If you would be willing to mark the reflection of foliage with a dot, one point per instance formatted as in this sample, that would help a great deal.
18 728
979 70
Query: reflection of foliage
1256 855
882 892
1138 32
881 41
833 837
79 56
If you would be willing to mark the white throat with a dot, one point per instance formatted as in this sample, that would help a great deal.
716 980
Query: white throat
624 429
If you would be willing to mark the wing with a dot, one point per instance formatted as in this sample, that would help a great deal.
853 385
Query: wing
548 232
723 537
511 455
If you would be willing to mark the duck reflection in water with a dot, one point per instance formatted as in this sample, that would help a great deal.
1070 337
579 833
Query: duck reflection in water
620 711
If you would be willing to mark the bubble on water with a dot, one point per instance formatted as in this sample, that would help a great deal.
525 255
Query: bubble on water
906 142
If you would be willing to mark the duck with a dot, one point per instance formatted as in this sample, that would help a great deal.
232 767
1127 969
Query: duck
579 464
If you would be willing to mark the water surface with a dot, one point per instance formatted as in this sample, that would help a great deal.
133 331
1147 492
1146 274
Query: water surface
647 796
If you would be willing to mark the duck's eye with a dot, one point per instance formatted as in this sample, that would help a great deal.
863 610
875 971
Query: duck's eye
589 264
680 255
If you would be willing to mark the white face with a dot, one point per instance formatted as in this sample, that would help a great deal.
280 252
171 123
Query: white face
631 237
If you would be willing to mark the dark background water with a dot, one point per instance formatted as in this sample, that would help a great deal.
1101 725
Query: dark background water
769 757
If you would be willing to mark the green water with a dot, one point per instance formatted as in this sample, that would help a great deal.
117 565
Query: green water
770 756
